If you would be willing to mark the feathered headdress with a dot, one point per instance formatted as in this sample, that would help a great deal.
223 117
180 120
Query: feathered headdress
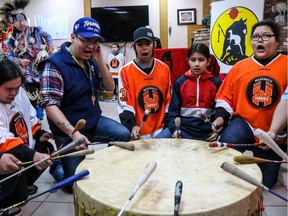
11 8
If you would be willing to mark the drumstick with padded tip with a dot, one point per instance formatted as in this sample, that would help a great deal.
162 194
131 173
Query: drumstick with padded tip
244 159
244 176
223 144
79 125
125 145
61 184
150 167
73 154
145 116
177 197
60 151
265 138
178 123
70 146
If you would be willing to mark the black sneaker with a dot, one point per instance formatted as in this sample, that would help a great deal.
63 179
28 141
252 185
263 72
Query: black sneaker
32 189
16 211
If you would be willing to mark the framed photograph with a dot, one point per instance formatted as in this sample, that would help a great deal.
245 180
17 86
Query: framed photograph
186 16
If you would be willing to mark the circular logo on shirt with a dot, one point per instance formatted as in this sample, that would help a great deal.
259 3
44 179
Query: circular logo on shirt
114 63
150 98
262 92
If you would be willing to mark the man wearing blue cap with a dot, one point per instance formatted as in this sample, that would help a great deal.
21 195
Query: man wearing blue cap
70 80
144 84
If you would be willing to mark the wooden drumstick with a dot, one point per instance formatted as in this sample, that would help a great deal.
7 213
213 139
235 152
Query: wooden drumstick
73 154
125 145
223 144
244 176
150 167
243 159
61 184
265 138
60 151
178 123
79 125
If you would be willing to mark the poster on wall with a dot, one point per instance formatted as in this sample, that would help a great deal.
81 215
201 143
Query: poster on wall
55 25
231 24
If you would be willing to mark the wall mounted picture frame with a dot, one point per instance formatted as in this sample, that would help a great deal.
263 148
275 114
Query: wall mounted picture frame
186 16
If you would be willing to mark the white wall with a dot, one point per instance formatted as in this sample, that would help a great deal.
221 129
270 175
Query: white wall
178 36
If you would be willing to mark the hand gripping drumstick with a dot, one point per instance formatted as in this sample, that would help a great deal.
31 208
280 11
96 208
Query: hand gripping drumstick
60 151
265 138
150 167
73 154
177 197
223 144
79 125
243 159
61 184
178 123
244 176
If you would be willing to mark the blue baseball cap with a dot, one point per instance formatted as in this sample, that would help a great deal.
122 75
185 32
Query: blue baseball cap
87 28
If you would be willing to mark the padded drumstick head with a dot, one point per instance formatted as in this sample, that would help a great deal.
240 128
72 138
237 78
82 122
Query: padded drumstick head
70 146
264 137
241 174
177 122
145 116
125 145
80 124
244 159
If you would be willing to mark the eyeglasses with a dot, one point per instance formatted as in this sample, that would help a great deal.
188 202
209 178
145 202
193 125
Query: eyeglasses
264 37
87 42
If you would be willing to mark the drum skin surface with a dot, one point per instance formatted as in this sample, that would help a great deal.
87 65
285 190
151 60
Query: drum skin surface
207 189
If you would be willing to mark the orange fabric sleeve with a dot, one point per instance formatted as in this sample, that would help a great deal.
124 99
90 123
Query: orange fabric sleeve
10 144
35 128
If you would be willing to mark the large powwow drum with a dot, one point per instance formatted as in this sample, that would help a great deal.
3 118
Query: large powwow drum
207 188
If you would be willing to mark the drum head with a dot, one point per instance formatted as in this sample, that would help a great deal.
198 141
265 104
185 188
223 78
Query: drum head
207 189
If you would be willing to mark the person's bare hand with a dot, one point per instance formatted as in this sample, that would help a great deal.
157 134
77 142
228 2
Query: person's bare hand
45 137
176 134
9 164
43 165
78 135
135 133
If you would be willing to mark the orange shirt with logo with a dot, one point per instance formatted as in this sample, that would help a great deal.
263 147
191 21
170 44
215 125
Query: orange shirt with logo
139 91
252 91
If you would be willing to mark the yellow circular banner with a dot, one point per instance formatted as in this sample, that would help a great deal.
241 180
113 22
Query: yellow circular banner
231 35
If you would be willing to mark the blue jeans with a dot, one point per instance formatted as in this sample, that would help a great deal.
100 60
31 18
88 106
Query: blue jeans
238 131
105 131
166 133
